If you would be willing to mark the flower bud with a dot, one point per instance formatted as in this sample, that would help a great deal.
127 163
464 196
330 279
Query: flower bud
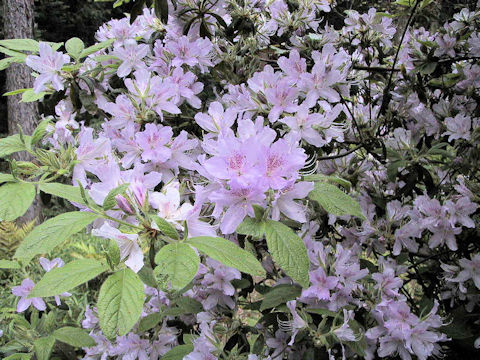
123 204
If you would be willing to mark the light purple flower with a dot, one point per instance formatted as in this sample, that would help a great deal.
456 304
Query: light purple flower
48 265
127 243
284 202
152 141
91 319
48 64
458 127
221 278
23 291
345 332
387 282
131 347
239 200
446 45
296 324
293 66
281 162
470 270
217 120
321 285
122 111
283 98
190 53
131 55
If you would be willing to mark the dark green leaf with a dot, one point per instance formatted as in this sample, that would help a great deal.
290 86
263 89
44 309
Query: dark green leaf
10 145
288 251
74 336
62 279
43 347
53 232
68 192
120 303
178 262
228 254
280 294
166 228
161 10
15 199
150 321
335 201
178 352
252 227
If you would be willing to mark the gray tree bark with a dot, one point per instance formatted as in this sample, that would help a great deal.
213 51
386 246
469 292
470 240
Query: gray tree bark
18 19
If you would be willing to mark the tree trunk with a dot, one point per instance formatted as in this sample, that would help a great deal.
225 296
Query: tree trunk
18 19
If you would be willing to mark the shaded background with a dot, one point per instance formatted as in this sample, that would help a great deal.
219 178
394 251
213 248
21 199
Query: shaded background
60 20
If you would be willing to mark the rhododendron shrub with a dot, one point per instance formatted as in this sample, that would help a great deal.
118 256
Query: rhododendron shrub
262 184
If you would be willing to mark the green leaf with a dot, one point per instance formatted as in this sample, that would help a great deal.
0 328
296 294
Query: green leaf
150 321
426 68
189 305
10 145
40 131
407 3
12 53
178 262
109 202
74 47
324 312
74 336
166 228
367 264
329 179
97 47
280 294
288 251
335 201
31 96
161 10
69 192
53 232
9 264
228 254
178 352
113 252
15 92
5 63
19 356
360 345
15 199
62 279
120 303
43 347
458 326
6 178
252 227
21 44
146 275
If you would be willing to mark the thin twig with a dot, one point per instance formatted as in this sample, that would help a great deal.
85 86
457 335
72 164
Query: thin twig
341 155
353 117
374 68
385 100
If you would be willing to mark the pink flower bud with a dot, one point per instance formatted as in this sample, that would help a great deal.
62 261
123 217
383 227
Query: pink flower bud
123 204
